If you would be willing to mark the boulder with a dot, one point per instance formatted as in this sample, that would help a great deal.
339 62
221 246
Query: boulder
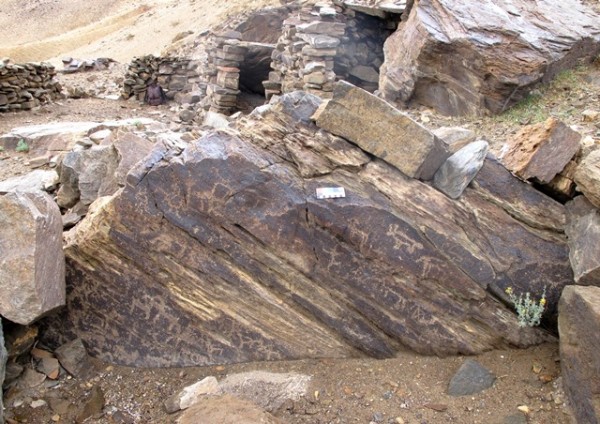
222 253
464 58
35 181
583 233
455 138
99 171
3 359
579 326
86 175
382 130
587 177
541 151
191 394
32 262
459 169
226 409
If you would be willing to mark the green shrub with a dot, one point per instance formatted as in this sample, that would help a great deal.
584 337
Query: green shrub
22 146
529 310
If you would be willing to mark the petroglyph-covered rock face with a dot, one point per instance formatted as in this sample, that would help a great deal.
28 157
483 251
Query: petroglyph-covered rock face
223 253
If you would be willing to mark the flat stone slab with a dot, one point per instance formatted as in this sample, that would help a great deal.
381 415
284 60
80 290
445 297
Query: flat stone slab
382 130
32 262
459 169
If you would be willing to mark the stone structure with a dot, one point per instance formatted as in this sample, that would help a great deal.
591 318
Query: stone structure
174 75
25 86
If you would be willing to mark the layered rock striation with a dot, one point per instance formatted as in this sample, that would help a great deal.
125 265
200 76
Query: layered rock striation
223 253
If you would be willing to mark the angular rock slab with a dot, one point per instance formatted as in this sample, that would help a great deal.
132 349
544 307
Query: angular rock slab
541 151
583 233
587 177
459 169
464 58
579 326
382 130
32 262
222 253
3 359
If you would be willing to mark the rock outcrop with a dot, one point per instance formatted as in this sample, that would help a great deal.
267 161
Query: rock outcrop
583 233
32 262
222 253
464 58
3 358
579 326
587 177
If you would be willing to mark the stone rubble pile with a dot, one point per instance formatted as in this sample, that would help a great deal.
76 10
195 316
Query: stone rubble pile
71 65
175 75
25 86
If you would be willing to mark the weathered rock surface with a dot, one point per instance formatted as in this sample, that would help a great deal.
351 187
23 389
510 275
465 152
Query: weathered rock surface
74 358
455 138
579 326
583 233
471 378
459 169
222 253
541 151
3 358
35 181
99 171
379 128
464 58
32 262
266 389
191 394
587 177
226 409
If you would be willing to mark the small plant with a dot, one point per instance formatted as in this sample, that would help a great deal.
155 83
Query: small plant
528 309
22 146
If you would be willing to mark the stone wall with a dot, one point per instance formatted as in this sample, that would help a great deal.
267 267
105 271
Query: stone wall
25 86
175 75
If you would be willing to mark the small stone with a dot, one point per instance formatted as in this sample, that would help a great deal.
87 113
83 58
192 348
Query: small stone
378 417
38 403
470 378
438 407
399 420
56 418
590 115
524 409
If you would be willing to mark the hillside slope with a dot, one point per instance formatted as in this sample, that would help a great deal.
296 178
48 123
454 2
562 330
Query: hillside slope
47 30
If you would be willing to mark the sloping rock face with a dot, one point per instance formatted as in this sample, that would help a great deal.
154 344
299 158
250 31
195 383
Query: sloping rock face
583 232
579 324
464 58
223 253
32 262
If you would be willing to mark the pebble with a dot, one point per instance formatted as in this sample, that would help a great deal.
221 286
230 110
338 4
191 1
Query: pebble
378 417
524 409
56 418
38 403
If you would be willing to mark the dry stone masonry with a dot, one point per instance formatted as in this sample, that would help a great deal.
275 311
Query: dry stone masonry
25 86
173 74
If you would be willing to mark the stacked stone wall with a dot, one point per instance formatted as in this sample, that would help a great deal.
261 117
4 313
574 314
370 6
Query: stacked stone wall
175 75
25 86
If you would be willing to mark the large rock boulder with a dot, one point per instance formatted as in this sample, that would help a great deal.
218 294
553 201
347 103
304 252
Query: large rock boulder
223 253
32 262
462 57
379 128
583 232
579 326
587 177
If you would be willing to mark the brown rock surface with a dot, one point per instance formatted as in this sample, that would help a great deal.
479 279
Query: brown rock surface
464 58
587 177
382 130
541 151
227 222
583 233
226 409
579 326
32 262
